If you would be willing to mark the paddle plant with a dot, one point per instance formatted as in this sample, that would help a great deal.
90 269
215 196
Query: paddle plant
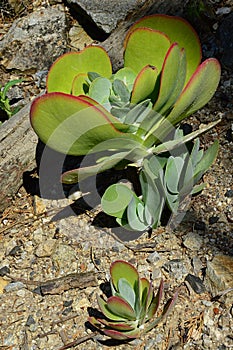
130 311
125 118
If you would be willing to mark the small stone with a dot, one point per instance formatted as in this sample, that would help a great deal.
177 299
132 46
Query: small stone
229 193
197 264
192 241
64 256
4 271
154 258
14 286
176 268
46 248
67 303
223 10
30 321
15 251
213 220
67 310
196 283
199 226
156 273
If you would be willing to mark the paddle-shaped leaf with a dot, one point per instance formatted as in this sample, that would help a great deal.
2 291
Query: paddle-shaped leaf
144 84
178 30
199 90
69 65
73 125
121 308
116 199
127 75
172 79
145 47
120 269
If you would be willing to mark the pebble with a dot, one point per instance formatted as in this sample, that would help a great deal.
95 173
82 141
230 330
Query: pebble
14 286
192 241
176 268
197 264
4 271
30 321
229 193
45 248
196 283
154 258
223 10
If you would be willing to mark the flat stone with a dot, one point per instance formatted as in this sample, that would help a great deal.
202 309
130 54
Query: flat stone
176 268
107 14
45 248
192 241
64 256
219 275
33 42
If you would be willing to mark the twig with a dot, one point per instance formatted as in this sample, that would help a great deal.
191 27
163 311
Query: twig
78 341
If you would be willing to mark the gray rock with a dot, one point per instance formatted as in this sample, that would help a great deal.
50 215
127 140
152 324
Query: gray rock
106 14
14 286
176 268
33 42
192 241
219 276
154 258
196 283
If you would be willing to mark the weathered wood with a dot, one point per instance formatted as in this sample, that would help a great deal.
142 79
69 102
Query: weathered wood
17 139
17 154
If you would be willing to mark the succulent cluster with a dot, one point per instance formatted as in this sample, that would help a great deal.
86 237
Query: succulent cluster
130 311
126 118
164 180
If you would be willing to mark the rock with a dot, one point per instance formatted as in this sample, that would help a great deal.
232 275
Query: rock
34 41
219 276
3 284
175 268
105 15
79 38
154 258
196 283
45 248
4 271
64 256
192 241
14 286
225 31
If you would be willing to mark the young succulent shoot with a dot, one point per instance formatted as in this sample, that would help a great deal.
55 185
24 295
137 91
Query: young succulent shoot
131 310
89 109
164 181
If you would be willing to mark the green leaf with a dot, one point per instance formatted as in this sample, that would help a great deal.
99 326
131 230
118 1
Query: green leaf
199 90
126 291
122 269
79 84
155 302
127 75
123 326
100 90
132 216
69 65
178 31
172 79
144 47
120 90
73 125
116 199
122 335
145 84
107 313
206 161
138 113
121 308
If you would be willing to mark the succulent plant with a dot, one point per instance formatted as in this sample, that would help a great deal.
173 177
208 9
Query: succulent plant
130 311
88 109
164 180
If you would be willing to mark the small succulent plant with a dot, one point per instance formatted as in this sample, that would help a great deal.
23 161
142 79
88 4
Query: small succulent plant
4 100
130 311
